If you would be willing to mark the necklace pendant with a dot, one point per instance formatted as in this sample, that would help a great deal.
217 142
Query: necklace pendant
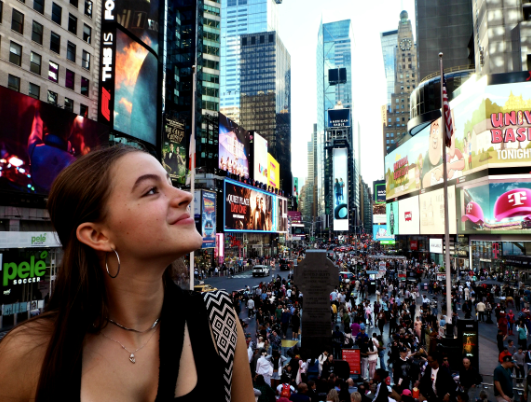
132 358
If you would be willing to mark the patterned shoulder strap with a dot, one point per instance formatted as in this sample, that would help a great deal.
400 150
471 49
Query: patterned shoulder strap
223 321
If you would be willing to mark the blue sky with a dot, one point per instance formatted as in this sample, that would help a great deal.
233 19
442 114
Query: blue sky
299 25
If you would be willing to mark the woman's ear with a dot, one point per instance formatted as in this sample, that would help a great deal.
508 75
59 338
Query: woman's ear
91 234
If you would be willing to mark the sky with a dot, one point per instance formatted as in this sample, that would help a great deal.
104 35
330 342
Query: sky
298 28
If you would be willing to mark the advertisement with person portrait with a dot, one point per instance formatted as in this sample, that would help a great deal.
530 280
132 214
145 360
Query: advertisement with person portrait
248 209
141 18
391 210
260 159
380 233
273 171
234 147
432 212
38 140
208 219
340 188
282 214
135 98
174 151
408 217
495 206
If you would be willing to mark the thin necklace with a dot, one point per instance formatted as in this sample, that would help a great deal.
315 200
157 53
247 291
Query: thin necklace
132 354
133 330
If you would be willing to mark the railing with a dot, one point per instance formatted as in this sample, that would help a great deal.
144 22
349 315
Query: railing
449 70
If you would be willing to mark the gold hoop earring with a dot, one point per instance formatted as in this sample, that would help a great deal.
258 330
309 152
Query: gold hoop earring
107 266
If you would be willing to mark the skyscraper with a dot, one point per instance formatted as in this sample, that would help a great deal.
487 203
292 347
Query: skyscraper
389 44
240 17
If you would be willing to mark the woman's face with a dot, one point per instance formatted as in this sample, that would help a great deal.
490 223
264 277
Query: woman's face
148 218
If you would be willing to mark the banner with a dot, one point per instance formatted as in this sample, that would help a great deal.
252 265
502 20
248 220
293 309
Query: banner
208 219
174 150
29 239
380 233
409 216
234 147
340 189
432 212
379 213
260 159
392 218
379 192
273 172
436 245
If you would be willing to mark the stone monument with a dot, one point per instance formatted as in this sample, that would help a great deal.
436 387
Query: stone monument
316 276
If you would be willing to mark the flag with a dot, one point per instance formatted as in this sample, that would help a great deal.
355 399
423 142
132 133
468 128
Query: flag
191 156
448 123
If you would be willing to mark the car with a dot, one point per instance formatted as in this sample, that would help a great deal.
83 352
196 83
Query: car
346 276
204 288
284 266
260 271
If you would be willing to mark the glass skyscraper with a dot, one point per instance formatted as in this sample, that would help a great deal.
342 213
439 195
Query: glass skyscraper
240 17
389 42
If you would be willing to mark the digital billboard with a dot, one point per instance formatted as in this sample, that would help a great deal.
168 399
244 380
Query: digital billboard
174 150
38 140
273 172
379 214
380 233
208 219
436 245
408 217
492 129
340 188
379 192
339 117
260 159
140 18
282 214
234 147
248 209
432 212
495 207
391 210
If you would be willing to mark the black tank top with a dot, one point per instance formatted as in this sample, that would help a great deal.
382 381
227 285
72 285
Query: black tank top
179 306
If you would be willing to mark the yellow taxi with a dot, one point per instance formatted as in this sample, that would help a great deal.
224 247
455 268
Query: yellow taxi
204 288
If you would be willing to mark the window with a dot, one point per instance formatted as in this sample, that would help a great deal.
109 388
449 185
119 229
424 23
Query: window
38 5
83 110
69 105
253 41
244 41
56 13
53 72
52 97
35 63
85 86
386 141
88 8
87 33
55 43
85 61
386 134
17 22
72 24
13 83
36 32
70 79
15 53
71 52
34 91
262 39
74 3
271 38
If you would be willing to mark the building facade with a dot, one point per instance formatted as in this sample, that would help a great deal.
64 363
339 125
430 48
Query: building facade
366 208
389 40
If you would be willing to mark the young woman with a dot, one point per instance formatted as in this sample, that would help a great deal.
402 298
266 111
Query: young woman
117 328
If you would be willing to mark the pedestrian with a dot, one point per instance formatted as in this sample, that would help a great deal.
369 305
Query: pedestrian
264 367
436 384
503 382
519 366
469 376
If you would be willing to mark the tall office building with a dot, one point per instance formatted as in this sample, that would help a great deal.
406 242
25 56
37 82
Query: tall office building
444 26
265 98
308 210
240 17
389 40
335 49
406 78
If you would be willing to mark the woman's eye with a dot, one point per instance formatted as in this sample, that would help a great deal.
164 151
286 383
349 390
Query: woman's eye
151 191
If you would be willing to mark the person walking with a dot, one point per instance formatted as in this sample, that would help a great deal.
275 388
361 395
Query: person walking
503 382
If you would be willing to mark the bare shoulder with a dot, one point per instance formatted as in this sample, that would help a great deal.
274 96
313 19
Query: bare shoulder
22 353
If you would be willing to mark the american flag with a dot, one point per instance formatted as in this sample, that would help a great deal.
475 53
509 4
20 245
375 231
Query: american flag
448 123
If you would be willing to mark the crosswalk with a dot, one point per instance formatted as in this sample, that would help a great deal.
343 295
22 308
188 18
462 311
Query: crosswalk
242 276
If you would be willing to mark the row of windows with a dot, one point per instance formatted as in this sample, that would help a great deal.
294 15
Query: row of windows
13 82
271 38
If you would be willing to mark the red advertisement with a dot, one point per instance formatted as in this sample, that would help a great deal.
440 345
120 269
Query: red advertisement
414 245
353 357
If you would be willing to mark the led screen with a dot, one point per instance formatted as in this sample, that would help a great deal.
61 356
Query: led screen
273 172
391 210
208 219
141 18
408 220
340 189
260 159
339 117
379 214
38 140
282 214
380 233
135 95
234 147
174 150
432 212
379 192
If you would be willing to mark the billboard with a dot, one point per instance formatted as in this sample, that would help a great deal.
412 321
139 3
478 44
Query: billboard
379 191
379 233
495 207
234 147
174 150
436 245
282 214
141 18
208 219
492 130
38 140
248 209
391 211
408 217
432 212
379 214
340 189
338 117
260 159
273 171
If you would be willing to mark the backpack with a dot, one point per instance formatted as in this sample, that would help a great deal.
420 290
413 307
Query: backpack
286 391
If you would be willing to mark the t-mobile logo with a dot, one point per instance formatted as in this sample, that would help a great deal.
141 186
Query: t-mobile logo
469 207
517 198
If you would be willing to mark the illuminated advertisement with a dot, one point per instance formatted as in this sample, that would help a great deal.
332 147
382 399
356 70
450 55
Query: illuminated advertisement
408 216
436 245
38 140
174 151
379 233
432 212
340 189
339 118
492 129
135 98
208 219
273 172
220 247
379 214
141 18
379 192
260 159
495 207
391 211
234 147
282 214
248 209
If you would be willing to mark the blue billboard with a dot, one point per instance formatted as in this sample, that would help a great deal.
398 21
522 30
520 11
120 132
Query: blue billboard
379 233
208 222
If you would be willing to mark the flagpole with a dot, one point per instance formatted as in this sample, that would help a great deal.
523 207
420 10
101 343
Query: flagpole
192 176
446 221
